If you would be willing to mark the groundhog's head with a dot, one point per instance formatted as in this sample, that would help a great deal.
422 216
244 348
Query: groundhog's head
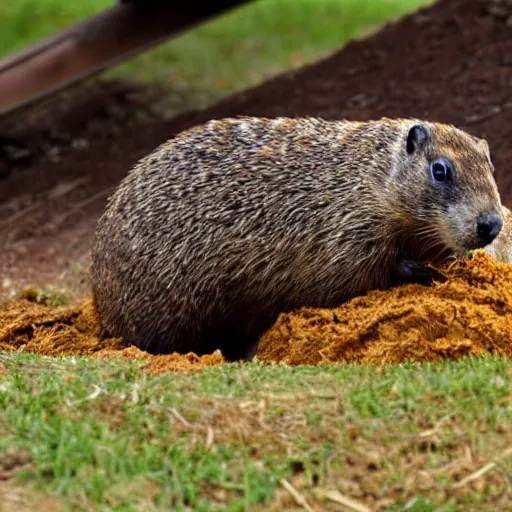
448 187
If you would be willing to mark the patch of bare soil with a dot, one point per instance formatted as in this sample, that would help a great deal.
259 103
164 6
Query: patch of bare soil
75 330
60 125
21 498
450 63
14 496
470 314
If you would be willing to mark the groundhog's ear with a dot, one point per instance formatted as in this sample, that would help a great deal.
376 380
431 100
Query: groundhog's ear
416 138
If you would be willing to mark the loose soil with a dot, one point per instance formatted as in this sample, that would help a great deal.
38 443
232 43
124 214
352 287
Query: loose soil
470 314
451 63
75 330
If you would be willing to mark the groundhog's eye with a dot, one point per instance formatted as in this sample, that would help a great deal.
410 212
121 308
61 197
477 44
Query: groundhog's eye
441 170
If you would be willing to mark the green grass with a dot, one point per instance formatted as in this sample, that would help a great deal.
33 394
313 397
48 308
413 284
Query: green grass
106 436
236 51
26 21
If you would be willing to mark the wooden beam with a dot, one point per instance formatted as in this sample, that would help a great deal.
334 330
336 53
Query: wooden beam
96 44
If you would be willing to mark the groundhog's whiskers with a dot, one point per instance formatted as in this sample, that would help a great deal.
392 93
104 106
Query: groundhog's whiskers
431 245
428 238
426 231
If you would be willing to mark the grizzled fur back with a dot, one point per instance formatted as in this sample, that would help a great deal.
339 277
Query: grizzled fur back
227 225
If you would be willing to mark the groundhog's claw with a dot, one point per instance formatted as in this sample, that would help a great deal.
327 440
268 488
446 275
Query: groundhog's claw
415 272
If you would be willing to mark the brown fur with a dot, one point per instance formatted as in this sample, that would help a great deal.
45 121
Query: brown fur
227 225
501 247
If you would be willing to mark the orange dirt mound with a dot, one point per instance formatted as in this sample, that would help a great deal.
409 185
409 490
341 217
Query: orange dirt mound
167 363
469 314
74 330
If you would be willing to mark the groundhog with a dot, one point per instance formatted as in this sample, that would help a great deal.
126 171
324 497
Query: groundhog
219 230
501 247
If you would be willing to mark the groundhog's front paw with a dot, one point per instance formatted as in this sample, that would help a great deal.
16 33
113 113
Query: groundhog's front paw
415 272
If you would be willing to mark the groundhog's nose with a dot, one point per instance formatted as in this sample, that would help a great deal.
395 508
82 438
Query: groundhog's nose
488 227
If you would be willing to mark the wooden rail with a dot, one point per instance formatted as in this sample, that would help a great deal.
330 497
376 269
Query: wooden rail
96 44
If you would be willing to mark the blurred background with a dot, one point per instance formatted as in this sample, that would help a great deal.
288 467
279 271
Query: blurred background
237 50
